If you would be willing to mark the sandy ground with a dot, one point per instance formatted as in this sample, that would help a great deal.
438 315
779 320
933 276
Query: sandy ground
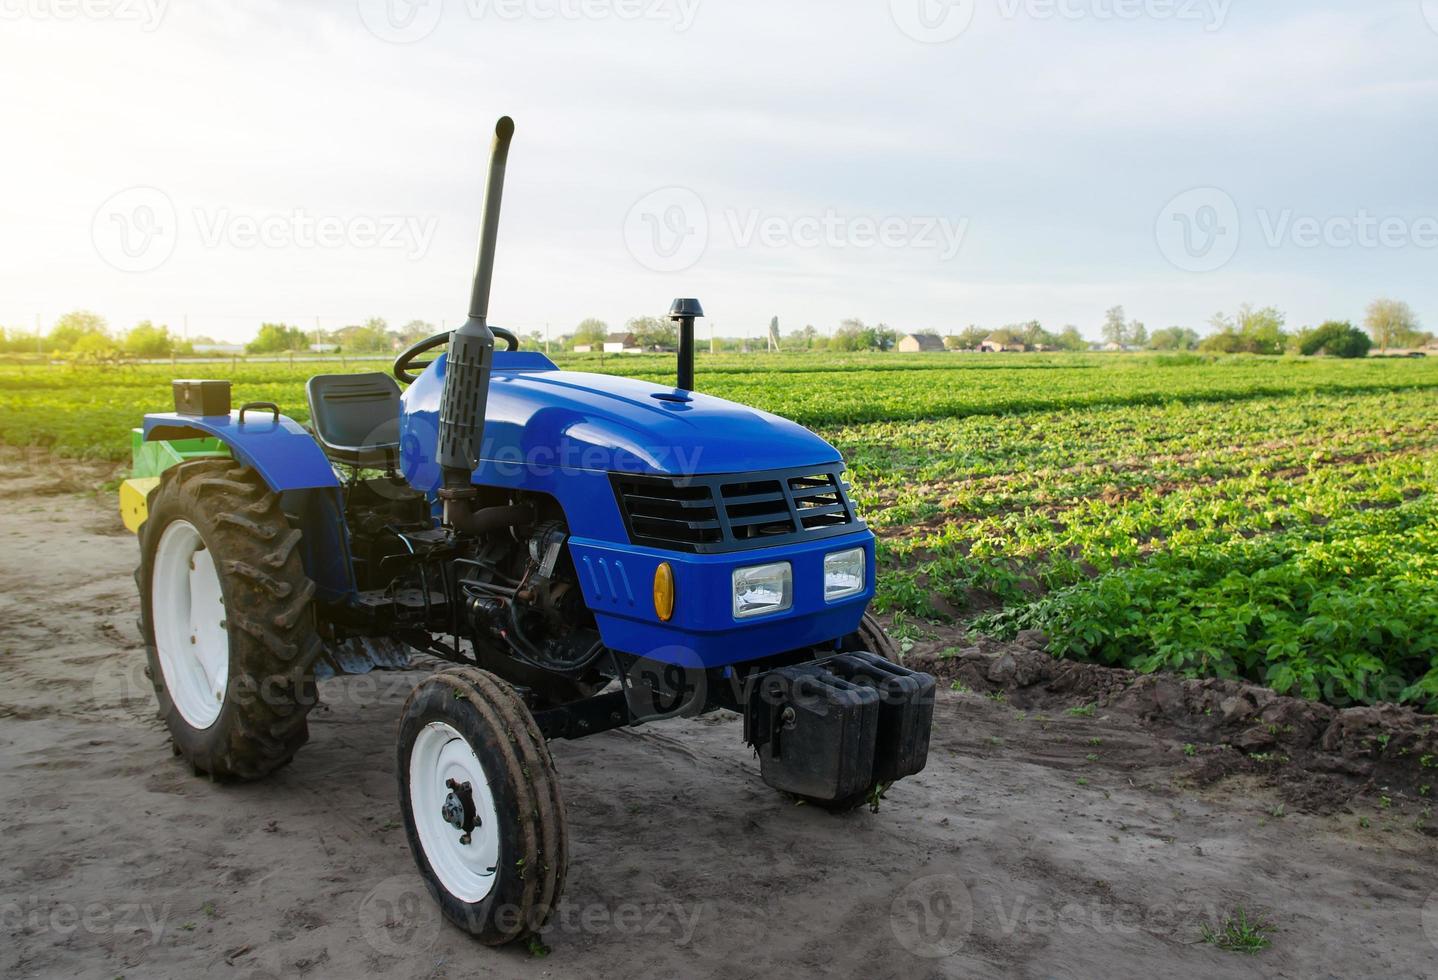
1032 846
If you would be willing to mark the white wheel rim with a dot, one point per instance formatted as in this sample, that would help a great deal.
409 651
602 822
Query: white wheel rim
440 754
188 610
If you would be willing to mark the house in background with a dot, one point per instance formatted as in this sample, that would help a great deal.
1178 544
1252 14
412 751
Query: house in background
622 343
993 344
916 343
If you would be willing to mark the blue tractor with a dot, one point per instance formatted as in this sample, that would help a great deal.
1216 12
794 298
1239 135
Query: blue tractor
583 551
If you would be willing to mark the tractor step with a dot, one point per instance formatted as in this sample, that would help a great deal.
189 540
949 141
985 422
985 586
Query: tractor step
835 727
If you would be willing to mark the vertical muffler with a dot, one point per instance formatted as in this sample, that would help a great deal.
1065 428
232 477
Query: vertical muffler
467 369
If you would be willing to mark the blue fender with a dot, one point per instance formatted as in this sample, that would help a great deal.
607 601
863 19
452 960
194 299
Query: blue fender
288 459
278 447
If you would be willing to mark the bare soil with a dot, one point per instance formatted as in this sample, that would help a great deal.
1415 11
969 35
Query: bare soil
1072 821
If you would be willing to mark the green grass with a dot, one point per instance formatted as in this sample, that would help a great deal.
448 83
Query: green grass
1238 932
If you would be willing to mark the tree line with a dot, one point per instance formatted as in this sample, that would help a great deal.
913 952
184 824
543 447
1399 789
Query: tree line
1387 324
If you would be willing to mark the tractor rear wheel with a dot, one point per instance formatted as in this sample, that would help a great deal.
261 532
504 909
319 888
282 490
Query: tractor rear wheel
227 620
481 804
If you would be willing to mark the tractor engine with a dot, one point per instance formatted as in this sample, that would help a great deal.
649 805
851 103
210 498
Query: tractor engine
520 594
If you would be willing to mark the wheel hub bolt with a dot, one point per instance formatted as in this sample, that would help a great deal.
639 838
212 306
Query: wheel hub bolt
457 810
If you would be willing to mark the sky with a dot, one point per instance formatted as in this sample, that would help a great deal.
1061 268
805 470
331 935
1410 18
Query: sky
923 163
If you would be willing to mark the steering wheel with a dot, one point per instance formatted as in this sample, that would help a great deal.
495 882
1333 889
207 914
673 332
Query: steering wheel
406 369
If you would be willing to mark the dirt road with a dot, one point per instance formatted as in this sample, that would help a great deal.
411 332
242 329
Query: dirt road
1032 846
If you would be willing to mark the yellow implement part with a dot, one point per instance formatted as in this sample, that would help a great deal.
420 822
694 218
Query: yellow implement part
133 493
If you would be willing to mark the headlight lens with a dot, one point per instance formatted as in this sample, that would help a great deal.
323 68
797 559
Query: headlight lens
843 574
763 589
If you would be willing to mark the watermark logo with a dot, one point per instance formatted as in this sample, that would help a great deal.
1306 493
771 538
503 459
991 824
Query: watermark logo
670 229
408 21
297 228
932 21
63 920
667 230
1342 231
136 229
834 230
1212 14
401 21
147 13
1199 230
398 917
932 917
679 13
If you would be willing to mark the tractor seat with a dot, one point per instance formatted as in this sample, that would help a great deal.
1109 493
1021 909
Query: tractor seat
356 418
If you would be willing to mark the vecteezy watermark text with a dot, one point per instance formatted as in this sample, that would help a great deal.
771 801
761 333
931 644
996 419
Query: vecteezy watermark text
670 230
147 13
138 229
939 21
33 916
407 21
1201 229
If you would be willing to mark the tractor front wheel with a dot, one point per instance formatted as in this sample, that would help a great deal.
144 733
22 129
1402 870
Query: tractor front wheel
226 619
481 804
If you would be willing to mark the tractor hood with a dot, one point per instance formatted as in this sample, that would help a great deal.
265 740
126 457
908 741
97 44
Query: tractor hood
541 418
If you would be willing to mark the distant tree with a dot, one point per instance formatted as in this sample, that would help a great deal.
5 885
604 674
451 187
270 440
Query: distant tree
654 332
1033 335
95 345
591 331
1070 339
1115 326
370 337
968 338
71 327
1250 331
1335 338
1392 323
1173 338
1136 335
416 330
1005 336
147 340
277 338
852 335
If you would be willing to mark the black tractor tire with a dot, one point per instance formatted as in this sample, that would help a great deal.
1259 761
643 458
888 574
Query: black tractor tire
872 636
269 618
531 833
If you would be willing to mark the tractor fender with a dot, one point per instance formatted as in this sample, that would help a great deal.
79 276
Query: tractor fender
292 464
277 447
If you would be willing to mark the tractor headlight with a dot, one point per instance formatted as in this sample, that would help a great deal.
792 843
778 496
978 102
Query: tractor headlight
763 589
843 574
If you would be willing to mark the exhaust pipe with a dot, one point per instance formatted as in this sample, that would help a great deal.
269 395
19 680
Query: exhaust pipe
470 362
684 312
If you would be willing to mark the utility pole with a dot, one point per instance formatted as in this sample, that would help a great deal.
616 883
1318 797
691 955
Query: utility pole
711 336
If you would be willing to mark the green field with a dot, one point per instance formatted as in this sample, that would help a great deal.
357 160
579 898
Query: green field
1267 518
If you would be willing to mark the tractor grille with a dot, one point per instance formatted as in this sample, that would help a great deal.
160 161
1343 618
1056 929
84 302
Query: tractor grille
736 511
